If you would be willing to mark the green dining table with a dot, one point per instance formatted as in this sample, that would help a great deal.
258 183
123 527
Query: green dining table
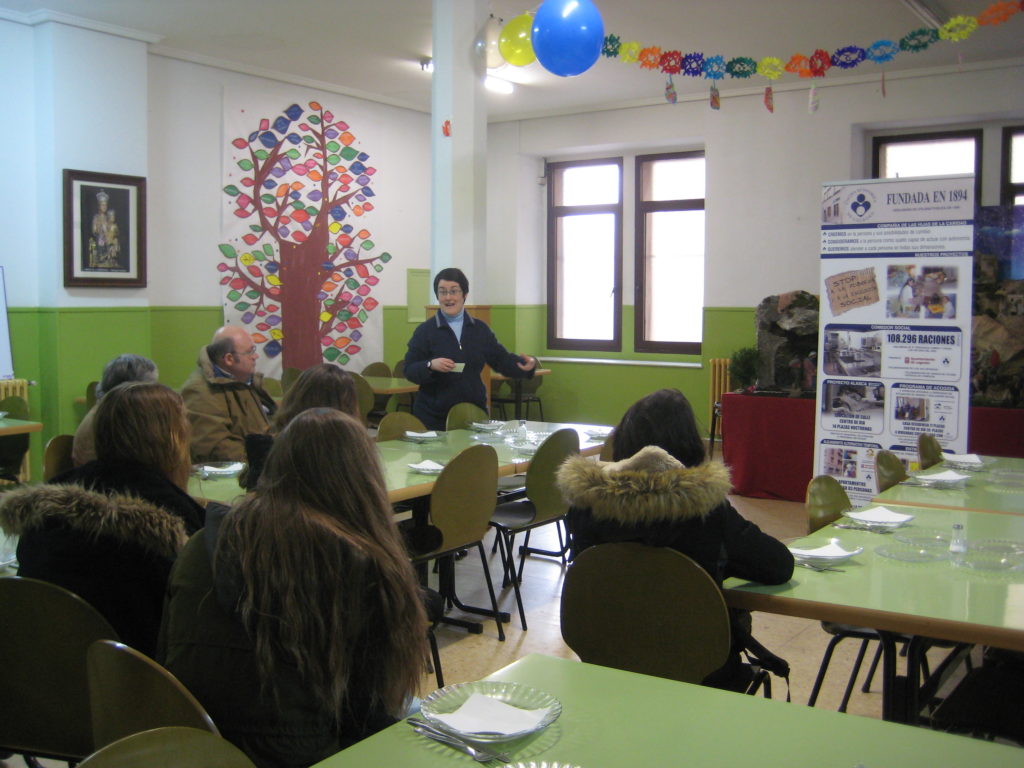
997 487
396 455
616 719
923 599
18 426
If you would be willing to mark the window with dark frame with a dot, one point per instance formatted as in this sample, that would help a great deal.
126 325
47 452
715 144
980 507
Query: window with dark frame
1013 166
669 252
929 154
585 254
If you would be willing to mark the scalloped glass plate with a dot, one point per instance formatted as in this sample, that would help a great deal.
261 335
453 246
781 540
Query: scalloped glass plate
923 537
448 699
908 553
993 562
997 546
598 433
487 426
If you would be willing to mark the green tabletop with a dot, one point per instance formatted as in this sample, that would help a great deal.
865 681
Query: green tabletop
396 455
18 426
933 599
998 487
384 385
615 719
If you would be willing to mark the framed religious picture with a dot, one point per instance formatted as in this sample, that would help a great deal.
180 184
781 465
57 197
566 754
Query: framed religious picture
104 230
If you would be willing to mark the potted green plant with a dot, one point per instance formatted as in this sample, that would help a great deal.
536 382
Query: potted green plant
743 364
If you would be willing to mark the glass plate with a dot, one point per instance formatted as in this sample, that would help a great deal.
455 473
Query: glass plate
907 553
487 426
923 537
997 546
419 438
994 562
879 517
598 433
448 699
425 470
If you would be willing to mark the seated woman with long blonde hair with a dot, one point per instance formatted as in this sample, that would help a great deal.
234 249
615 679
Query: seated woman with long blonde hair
296 619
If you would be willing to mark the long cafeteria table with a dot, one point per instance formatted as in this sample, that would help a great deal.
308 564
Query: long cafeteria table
616 719
997 487
925 599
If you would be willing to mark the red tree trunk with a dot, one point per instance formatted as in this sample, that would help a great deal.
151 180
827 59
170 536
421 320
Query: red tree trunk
301 277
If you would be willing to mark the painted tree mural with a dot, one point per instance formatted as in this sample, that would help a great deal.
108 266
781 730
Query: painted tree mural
303 273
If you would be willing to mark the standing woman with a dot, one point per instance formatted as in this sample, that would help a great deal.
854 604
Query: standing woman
660 491
296 619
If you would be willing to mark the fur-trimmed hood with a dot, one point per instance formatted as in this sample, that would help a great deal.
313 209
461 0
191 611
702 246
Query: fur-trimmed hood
117 516
650 486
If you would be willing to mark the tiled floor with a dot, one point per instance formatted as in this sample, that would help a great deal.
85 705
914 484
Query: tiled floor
469 657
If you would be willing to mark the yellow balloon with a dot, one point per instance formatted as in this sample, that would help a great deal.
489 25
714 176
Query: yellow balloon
515 43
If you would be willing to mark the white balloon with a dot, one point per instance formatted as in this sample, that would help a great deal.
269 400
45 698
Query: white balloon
492 56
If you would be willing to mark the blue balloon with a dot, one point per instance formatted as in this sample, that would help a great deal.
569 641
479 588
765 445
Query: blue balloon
567 36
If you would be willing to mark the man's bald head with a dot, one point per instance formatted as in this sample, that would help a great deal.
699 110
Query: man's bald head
233 350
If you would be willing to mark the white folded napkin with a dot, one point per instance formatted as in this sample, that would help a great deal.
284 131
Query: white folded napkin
963 458
223 469
420 435
483 714
881 515
832 549
949 476
427 466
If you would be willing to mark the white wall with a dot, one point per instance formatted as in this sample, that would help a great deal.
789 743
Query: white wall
186 202
764 170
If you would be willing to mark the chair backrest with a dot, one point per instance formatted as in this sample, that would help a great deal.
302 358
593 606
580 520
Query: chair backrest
461 415
288 377
889 470
174 746
929 451
541 488
531 385
57 456
608 448
377 369
396 424
826 501
46 631
645 609
463 498
398 370
129 693
273 387
15 406
90 394
365 394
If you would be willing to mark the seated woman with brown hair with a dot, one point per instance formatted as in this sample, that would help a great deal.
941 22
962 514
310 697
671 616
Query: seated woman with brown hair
110 529
659 490
322 386
296 619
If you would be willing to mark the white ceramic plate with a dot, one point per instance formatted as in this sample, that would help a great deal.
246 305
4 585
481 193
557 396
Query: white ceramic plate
882 517
448 699
832 553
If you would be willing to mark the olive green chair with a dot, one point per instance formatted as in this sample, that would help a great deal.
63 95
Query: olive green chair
650 610
380 402
273 387
288 377
461 415
543 505
461 504
172 747
929 451
396 424
825 502
889 470
129 693
90 394
46 634
57 456
364 392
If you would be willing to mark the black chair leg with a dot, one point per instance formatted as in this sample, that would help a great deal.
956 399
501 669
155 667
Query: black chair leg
435 657
508 566
853 674
823 669
871 670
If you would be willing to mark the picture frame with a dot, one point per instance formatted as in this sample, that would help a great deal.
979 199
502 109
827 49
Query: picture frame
104 230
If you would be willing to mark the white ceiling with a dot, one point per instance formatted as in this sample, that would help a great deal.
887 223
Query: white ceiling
372 48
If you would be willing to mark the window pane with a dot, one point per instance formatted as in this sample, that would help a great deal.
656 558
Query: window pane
590 185
677 179
927 158
675 276
1017 159
586 275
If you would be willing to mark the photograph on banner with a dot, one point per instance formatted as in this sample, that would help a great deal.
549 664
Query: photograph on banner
929 409
852 406
852 463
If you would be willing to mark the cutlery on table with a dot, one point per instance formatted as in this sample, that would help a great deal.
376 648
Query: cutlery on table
820 567
868 528
478 753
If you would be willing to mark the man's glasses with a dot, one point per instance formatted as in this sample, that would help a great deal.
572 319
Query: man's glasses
449 292
248 353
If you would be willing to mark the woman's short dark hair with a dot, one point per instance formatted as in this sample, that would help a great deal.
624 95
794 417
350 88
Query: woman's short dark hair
452 275
125 368
665 419
320 386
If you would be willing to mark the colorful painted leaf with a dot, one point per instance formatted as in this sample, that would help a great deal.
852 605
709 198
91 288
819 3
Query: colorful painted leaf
245 164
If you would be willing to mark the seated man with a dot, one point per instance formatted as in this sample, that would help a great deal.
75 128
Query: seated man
225 398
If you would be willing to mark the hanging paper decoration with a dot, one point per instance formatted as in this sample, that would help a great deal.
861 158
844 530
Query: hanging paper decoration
514 41
611 46
770 67
769 99
670 91
697 64
812 100
650 57
716 99
883 83
958 28
741 67
671 62
568 36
